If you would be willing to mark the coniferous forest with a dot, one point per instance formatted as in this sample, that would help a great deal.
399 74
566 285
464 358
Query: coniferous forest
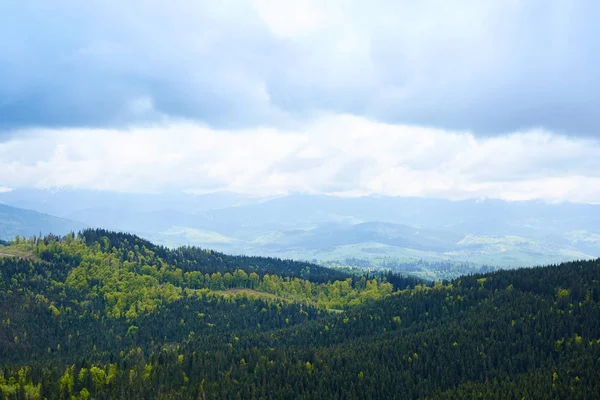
105 315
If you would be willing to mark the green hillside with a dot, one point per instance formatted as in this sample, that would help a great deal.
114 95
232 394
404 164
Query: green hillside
106 315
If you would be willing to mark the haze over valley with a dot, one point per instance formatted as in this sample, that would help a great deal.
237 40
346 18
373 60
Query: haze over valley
405 234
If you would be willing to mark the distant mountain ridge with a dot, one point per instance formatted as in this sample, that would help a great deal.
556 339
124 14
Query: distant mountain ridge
376 230
334 235
17 221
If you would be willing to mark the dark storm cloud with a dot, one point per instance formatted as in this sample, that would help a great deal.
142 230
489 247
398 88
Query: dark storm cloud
490 67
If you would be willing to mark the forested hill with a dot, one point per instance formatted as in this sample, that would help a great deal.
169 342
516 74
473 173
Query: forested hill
105 315
207 261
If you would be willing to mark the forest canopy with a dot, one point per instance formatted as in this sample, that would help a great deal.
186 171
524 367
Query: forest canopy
109 315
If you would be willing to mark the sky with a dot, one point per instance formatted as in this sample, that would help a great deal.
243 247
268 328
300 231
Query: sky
463 99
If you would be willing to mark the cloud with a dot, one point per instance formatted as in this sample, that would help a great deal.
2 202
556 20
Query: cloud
335 154
291 20
488 67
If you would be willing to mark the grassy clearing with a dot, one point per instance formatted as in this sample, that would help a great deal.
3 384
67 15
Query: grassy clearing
248 292
11 251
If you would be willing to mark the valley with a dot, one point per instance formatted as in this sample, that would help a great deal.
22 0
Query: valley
373 232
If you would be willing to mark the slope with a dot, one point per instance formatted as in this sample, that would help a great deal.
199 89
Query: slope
17 221
109 315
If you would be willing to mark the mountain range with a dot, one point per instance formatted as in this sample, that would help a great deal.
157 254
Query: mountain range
19 222
371 231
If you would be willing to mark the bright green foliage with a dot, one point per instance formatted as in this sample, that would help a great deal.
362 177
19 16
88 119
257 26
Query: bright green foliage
84 394
67 381
98 377
134 284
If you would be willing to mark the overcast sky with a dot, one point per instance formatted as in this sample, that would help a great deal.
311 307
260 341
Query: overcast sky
462 99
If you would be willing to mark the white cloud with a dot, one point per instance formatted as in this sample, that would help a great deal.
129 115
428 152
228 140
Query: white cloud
5 189
336 154
290 19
